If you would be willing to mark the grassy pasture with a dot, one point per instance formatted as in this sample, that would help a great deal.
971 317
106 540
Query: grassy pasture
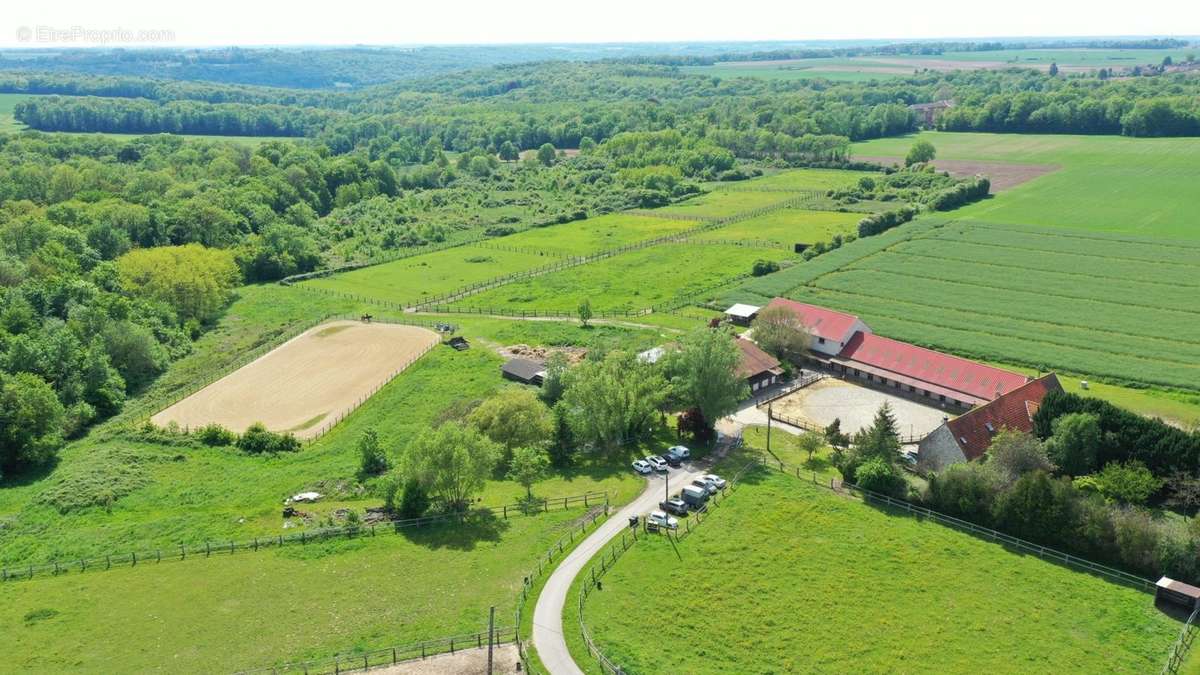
115 489
788 226
1106 183
629 281
413 279
722 203
210 614
7 103
594 234
787 575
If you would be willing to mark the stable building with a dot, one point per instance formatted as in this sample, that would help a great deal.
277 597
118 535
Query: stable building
968 436
524 371
829 331
758 368
923 373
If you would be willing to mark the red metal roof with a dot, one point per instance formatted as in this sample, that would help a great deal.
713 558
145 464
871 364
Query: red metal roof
819 321
975 429
973 382
755 361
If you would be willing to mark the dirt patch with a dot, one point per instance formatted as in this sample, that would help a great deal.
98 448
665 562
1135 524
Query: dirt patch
540 354
308 382
829 399
1003 175
504 660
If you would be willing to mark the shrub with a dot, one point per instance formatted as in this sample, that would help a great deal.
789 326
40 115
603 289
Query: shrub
257 440
966 491
1128 483
1074 442
878 475
215 435
372 460
1038 508
882 222
764 267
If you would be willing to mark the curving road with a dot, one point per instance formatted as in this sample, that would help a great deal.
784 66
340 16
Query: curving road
547 614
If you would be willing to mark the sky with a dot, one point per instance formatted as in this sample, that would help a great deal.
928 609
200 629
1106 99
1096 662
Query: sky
83 23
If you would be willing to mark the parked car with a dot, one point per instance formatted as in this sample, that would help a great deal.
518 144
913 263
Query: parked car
673 459
657 462
715 480
642 466
693 496
661 519
674 505
705 485
910 457
680 451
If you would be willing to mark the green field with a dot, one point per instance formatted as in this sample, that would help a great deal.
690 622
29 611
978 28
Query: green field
422 276
723 203
1105 183
1122 308
788 226
313 601
7 103
630 281
594 234
794 578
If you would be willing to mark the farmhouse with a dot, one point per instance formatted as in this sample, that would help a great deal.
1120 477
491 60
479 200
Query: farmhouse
741 314
524 371
829 331
759 368
968 436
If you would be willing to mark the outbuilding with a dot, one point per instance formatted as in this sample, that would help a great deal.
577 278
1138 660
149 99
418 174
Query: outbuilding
524 371
759 368
1177 593
742 314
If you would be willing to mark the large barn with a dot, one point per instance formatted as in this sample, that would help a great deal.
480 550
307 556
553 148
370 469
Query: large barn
846 345
968 436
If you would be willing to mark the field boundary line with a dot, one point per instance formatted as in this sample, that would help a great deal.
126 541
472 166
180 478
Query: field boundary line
1065 233
1143 261
181 552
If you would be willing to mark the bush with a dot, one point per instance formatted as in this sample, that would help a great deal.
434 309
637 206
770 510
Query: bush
372 459
878 475
1038 508
764 267
215 435
257 440
882 222
1127 483
966 491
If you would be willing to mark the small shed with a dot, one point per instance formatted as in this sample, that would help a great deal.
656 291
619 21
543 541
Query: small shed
524 371
1178 593
742 314
459 342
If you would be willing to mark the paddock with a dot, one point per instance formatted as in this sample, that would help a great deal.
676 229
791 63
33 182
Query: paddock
830 398
307 384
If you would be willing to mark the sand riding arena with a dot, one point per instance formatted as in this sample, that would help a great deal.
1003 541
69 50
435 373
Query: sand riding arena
307 384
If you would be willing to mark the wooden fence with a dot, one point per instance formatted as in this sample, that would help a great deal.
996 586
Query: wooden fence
389 656
788 388
304 537
1179 650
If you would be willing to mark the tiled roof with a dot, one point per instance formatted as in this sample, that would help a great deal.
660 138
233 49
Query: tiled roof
819 321
975 381
755 360
974 429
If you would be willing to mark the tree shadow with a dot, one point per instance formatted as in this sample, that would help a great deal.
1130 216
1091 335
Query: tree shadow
29 475
459 535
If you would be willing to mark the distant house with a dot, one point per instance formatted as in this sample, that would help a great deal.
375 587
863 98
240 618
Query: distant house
829 331
741 314
928 113
968 436
524 371
757 367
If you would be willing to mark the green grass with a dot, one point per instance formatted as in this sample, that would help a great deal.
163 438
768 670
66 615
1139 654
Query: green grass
1105 183
791 577
722 203
784 448
788 226
231 612
7 103
629 281
430 274
1120 308
594 234
116 490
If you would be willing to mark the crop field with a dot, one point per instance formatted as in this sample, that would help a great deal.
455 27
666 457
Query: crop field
787 575
206 614
308 382
1105 183
630 281
722 203
594 234
1125 308
7 103
413 279
788 226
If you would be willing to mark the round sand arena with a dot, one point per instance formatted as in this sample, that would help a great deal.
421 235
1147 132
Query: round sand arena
307 383
830 398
